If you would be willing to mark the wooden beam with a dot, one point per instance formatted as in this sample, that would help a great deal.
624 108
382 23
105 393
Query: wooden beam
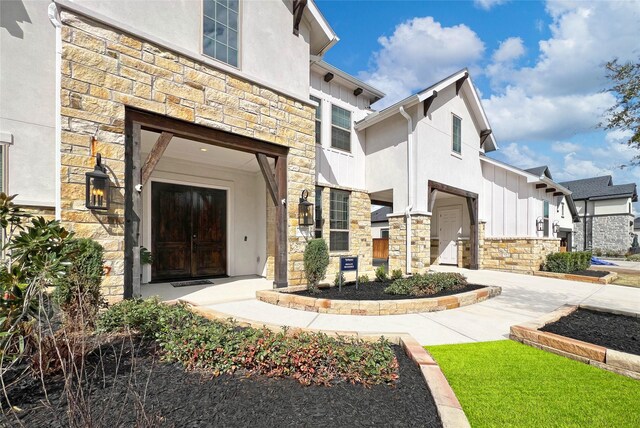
471 207
540 186
154 156
280 263
451 190
427 102
484 134
432 199
132 210
558 194
460 81
298 10
381 203
269 177
357 91
328 77
204 134
550 189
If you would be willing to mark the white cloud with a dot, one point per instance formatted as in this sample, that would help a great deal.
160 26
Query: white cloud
488 4
575 168
618 136
419 53
523 156
565 147
510 49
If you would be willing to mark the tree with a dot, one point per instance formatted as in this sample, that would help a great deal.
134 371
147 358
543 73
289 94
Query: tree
625 114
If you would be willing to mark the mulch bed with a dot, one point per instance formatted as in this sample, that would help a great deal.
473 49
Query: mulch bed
374 290
173 397
592 273
618 332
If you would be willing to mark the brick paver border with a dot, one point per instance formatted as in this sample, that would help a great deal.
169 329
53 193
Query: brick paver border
607 279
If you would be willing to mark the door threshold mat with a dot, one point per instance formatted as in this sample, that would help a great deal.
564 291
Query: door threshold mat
190 283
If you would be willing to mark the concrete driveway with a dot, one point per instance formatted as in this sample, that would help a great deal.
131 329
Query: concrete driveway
523 298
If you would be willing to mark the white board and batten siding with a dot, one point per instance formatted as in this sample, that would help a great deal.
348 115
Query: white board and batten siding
334 166
510 205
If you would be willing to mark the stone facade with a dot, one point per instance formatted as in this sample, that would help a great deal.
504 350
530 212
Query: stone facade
398 243
421 244
464 253
104 69
609 233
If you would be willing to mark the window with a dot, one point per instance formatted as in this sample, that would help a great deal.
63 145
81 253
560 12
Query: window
562 208
318 208
220 39
318 119
456 142
384 233
545 217
340 128
339 221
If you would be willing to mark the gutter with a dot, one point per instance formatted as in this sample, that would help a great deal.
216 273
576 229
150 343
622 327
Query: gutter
54 17
407 212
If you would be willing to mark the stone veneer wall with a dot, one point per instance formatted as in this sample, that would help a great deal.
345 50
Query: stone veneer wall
398 243
464 253
420 243
104 69
610 233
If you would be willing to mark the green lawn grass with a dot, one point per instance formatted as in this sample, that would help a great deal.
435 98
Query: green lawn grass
505 383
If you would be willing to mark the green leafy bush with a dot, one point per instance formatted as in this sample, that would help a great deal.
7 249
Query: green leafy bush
633 258
316 261
568 262
363 279
339 278
381 273
223 347
78 292
427 284
396 274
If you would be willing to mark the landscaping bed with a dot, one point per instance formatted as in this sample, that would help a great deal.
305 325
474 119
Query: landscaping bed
374 290
130 374
592 273
613 331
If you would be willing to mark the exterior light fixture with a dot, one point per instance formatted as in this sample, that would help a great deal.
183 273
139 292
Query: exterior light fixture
305 210
539 224
556 227
97 196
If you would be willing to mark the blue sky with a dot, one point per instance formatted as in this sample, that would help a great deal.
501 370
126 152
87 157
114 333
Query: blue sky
539 67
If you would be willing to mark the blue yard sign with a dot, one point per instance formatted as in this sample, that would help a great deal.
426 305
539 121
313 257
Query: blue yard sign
348 264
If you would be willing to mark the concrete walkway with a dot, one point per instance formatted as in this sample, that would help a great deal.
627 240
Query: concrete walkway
523 298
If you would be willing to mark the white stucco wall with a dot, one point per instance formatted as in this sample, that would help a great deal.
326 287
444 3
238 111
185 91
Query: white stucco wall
612 206
565 221
27 93
269 51
334 166
246 210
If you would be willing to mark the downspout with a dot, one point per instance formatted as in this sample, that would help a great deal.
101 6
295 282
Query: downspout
54 17
407 212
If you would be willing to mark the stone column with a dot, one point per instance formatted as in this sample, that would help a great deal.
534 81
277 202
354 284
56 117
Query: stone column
420 243
481 235
398 243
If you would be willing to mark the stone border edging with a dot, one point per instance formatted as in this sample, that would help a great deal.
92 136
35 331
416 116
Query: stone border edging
284 297
529 333
607 279
449 409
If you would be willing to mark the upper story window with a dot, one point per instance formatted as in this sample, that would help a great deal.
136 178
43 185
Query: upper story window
318 119
456 135
221 25
340 128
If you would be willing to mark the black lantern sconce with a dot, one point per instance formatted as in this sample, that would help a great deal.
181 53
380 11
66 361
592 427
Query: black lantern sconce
305 210
98 195
556 227
540 224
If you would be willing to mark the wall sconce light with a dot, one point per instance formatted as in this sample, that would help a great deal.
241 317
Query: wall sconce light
97 184
539 224
556 227
305 210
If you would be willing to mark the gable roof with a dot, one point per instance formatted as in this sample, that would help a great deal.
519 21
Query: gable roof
600 188
467 85
540 171
380 215
345 78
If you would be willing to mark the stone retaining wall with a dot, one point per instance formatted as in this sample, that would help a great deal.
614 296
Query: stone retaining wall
608 279
285 299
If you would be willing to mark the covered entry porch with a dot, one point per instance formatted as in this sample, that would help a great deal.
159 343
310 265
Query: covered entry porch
206 203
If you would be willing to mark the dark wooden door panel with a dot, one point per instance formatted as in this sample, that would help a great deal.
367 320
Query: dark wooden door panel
189 231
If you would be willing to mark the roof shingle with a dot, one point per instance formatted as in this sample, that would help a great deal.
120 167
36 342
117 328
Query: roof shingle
600 188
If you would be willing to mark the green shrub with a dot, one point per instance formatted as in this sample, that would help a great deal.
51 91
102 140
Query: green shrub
381 273
427 284
316 261
222 347
396 274
339 278
78 292
568 262
633 257
363 279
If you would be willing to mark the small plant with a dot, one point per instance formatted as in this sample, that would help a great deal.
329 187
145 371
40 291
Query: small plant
381 273
316 261
339 278
363 279
146 258
427 284
396 274
568 262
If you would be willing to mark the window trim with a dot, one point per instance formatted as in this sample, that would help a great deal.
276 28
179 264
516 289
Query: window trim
240 33
341 128
318 121
453 150
348 229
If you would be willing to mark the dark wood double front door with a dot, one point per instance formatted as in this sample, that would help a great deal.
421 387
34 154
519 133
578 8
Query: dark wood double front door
189 231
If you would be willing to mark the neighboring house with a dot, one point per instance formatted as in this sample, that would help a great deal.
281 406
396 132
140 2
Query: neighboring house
212 120
636 225
605 214
380 222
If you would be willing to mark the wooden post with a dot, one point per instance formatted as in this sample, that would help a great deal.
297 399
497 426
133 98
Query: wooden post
132 211
154 156
474 239
269 177
280 268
